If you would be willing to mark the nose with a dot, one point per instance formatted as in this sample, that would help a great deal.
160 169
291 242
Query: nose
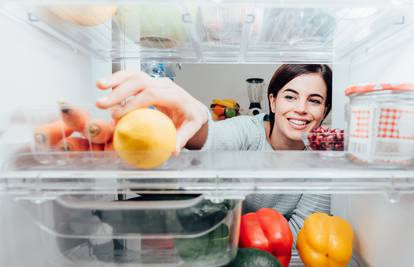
301 107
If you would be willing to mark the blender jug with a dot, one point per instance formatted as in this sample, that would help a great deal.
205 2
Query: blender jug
255 93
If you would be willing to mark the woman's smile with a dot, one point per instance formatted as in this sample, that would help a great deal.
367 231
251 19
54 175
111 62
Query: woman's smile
299 124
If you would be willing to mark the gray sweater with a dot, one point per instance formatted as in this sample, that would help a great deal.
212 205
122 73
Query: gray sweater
248 133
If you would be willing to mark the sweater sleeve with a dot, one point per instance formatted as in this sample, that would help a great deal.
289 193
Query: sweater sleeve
308 204
238 133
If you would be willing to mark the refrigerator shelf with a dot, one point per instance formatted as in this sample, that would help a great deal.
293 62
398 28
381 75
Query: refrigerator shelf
230 32
227 174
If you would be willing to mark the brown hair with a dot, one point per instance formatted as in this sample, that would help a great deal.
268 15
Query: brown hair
287 72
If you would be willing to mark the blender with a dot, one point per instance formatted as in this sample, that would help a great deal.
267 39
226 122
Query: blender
255 93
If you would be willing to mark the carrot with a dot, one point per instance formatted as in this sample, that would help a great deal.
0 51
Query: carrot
99 131
96 147
73 144
75 118
51 133
109 146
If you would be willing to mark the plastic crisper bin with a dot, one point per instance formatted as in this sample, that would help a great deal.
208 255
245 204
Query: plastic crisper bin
50 134
66 135
145 230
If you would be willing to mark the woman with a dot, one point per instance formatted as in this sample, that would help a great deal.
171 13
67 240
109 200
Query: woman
299 99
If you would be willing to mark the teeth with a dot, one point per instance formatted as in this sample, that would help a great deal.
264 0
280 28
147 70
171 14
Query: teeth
298 122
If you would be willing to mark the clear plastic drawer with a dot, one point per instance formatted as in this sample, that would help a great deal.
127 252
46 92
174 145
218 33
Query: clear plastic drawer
141 230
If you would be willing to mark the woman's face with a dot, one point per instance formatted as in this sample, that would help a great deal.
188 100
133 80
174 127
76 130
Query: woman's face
299 106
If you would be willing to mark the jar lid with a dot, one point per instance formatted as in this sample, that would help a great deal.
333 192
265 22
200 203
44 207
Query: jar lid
255 80
367 88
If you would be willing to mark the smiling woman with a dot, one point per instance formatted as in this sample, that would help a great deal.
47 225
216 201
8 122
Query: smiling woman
299 99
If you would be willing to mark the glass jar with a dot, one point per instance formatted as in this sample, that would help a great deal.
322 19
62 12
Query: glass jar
380 123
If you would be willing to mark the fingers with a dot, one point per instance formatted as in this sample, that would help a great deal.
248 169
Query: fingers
119 77
120 93
142 100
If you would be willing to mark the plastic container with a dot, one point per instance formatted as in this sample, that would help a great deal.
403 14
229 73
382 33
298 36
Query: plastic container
145 230
324 141
380 123
56 136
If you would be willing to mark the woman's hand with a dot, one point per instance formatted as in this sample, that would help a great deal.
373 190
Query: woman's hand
133 90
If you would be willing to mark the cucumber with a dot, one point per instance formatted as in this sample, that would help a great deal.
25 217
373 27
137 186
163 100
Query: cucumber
206 247
249 257
204 215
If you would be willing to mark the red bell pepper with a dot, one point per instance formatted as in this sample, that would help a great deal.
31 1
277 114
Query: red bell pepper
267 230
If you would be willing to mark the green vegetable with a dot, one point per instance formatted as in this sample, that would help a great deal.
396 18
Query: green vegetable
249 257
204 248
204 215
230 112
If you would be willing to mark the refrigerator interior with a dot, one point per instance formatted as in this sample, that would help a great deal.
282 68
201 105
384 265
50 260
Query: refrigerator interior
47 59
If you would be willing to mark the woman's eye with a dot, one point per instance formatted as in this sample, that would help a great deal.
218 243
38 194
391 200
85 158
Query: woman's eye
289 97
315 101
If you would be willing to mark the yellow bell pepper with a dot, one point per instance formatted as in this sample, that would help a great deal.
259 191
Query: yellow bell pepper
325 241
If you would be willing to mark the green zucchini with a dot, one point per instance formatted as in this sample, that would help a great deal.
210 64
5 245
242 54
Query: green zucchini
249 257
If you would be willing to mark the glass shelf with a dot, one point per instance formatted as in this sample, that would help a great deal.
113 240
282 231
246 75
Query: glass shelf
216 174
230 32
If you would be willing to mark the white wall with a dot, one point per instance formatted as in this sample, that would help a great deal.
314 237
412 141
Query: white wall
384 231
208 81
34 70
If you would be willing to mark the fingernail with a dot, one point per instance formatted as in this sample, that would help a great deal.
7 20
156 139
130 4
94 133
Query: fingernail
103 82
103 99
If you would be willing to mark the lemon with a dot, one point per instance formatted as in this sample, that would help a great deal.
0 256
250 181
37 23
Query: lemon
145 138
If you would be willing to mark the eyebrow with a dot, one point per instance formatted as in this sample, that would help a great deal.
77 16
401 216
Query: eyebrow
295 92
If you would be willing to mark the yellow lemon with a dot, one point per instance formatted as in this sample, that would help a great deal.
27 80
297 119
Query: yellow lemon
145 138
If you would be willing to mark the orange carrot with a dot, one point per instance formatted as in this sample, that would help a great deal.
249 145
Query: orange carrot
75 118
99 131
109 146
96 147
73 144
50 134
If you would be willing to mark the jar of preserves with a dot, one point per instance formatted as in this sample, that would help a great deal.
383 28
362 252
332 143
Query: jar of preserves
380 123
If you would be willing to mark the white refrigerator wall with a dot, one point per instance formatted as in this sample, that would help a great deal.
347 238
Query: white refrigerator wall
384 230
35 70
